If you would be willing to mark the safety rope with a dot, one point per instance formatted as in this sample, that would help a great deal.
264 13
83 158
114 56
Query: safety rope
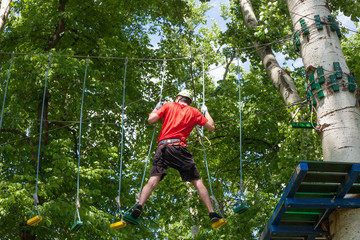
152 139
6 87
117 199
77 201
242 197
212 197
35 196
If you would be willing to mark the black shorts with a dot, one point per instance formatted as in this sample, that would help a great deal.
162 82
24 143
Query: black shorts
177 157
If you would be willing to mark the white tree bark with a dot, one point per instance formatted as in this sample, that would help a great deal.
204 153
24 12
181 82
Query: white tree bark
338 115
4 12
281 79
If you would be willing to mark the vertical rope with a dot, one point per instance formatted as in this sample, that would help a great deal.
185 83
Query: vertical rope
203 145
240 107
41 123
153 135
242 197
203 78
122 132
79 150
202 129
6 87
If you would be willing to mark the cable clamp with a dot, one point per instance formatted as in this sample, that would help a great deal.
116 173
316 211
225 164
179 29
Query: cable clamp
77 203
214 201
241 185
199 131
50 56
117 199
36 199
137 198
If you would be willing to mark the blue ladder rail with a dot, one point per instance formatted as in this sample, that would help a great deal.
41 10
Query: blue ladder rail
314 191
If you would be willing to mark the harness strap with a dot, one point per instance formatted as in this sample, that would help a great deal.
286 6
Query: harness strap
171 141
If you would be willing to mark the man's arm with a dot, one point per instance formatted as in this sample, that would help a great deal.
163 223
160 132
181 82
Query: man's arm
209 125
153 116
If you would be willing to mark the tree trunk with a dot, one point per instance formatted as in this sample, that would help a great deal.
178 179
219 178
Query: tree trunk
338 116
4 12
281 79
25 232
60 28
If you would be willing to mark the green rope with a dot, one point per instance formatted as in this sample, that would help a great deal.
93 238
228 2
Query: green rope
79 151
153 136
202 129
41 123
6 87
122 138
203 145
240 107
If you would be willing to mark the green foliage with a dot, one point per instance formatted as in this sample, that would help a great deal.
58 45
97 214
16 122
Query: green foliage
108 32
350 8
351 51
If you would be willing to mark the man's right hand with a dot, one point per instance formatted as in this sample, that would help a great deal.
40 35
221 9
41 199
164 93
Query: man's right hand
204 109
158 106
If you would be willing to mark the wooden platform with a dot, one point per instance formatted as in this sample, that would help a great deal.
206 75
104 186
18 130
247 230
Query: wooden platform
314 191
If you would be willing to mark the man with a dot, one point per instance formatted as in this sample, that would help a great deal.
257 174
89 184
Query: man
179 118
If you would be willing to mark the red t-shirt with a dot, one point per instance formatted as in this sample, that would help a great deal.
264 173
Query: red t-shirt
179 120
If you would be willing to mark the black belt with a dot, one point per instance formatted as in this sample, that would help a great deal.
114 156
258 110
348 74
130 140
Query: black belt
169 141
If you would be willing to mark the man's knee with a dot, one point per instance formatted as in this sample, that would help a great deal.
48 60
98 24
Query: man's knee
154 181
198 183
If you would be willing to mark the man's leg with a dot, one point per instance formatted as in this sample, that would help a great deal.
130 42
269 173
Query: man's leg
148 188
204 196
203 193
145 194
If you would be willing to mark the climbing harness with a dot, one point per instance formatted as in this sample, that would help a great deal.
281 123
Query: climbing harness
77 220
241 204
6 87
222 221
35 220
127 217
121 223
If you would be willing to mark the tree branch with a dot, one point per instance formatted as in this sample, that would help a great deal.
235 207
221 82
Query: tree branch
73 131
281 79
227 66
60 28
9 130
